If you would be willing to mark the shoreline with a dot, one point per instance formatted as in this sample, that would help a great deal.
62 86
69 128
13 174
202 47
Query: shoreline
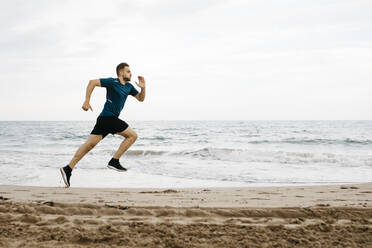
347 195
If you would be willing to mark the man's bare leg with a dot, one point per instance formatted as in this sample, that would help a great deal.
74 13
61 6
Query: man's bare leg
92 141
130 137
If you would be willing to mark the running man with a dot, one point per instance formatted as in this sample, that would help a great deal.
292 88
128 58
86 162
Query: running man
117 90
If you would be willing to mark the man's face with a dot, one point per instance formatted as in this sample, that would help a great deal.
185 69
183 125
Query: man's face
125 74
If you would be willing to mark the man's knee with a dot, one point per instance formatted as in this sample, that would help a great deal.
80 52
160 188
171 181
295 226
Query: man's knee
93 141
129 133
134 135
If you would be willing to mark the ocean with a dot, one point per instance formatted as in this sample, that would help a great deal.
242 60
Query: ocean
191 154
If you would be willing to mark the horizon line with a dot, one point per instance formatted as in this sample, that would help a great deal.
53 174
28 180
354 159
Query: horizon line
215 120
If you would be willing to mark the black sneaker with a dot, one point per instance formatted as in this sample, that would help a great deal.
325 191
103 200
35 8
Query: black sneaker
115 165
66 174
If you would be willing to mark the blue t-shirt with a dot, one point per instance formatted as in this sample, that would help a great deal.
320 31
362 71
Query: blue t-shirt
116 95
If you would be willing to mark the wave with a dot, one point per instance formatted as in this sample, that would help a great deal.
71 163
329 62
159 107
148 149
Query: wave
328 141
346 141
58 137
259 156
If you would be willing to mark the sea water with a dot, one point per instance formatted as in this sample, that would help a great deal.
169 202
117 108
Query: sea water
191 153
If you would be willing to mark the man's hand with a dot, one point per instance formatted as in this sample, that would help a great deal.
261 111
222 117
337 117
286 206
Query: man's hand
86 106
142 83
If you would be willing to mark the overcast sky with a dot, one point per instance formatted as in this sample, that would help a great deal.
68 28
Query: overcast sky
204 60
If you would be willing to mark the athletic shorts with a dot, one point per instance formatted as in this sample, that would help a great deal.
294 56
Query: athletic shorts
108 124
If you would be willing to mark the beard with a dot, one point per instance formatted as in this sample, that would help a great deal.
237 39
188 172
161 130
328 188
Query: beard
126 78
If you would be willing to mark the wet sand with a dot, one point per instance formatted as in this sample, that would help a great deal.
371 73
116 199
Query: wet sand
311 216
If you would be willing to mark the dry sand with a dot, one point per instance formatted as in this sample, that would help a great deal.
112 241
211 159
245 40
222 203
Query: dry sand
311 216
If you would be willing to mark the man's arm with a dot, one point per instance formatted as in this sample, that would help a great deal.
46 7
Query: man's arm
141 96
90 88
142 84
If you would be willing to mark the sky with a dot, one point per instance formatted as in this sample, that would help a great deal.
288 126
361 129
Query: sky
201 60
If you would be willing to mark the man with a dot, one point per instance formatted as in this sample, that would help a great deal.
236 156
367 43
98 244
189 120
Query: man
117 90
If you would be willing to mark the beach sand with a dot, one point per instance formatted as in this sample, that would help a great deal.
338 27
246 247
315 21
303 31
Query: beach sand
301 216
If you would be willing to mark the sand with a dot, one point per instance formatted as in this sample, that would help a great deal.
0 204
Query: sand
311 216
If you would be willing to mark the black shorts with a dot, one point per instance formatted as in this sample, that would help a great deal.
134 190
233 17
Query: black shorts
108 124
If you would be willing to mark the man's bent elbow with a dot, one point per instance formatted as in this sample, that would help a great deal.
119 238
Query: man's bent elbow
95 82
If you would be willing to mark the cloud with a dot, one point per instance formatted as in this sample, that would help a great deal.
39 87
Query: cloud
202 57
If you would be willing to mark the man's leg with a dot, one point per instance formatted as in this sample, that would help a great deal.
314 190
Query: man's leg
92 141
130 137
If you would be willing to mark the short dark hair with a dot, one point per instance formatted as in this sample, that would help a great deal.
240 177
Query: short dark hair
120 66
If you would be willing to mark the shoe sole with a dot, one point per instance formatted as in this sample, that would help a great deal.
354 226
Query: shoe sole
64 177
113 168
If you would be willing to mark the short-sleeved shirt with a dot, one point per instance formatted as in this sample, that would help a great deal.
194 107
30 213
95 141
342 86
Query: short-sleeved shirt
116 95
